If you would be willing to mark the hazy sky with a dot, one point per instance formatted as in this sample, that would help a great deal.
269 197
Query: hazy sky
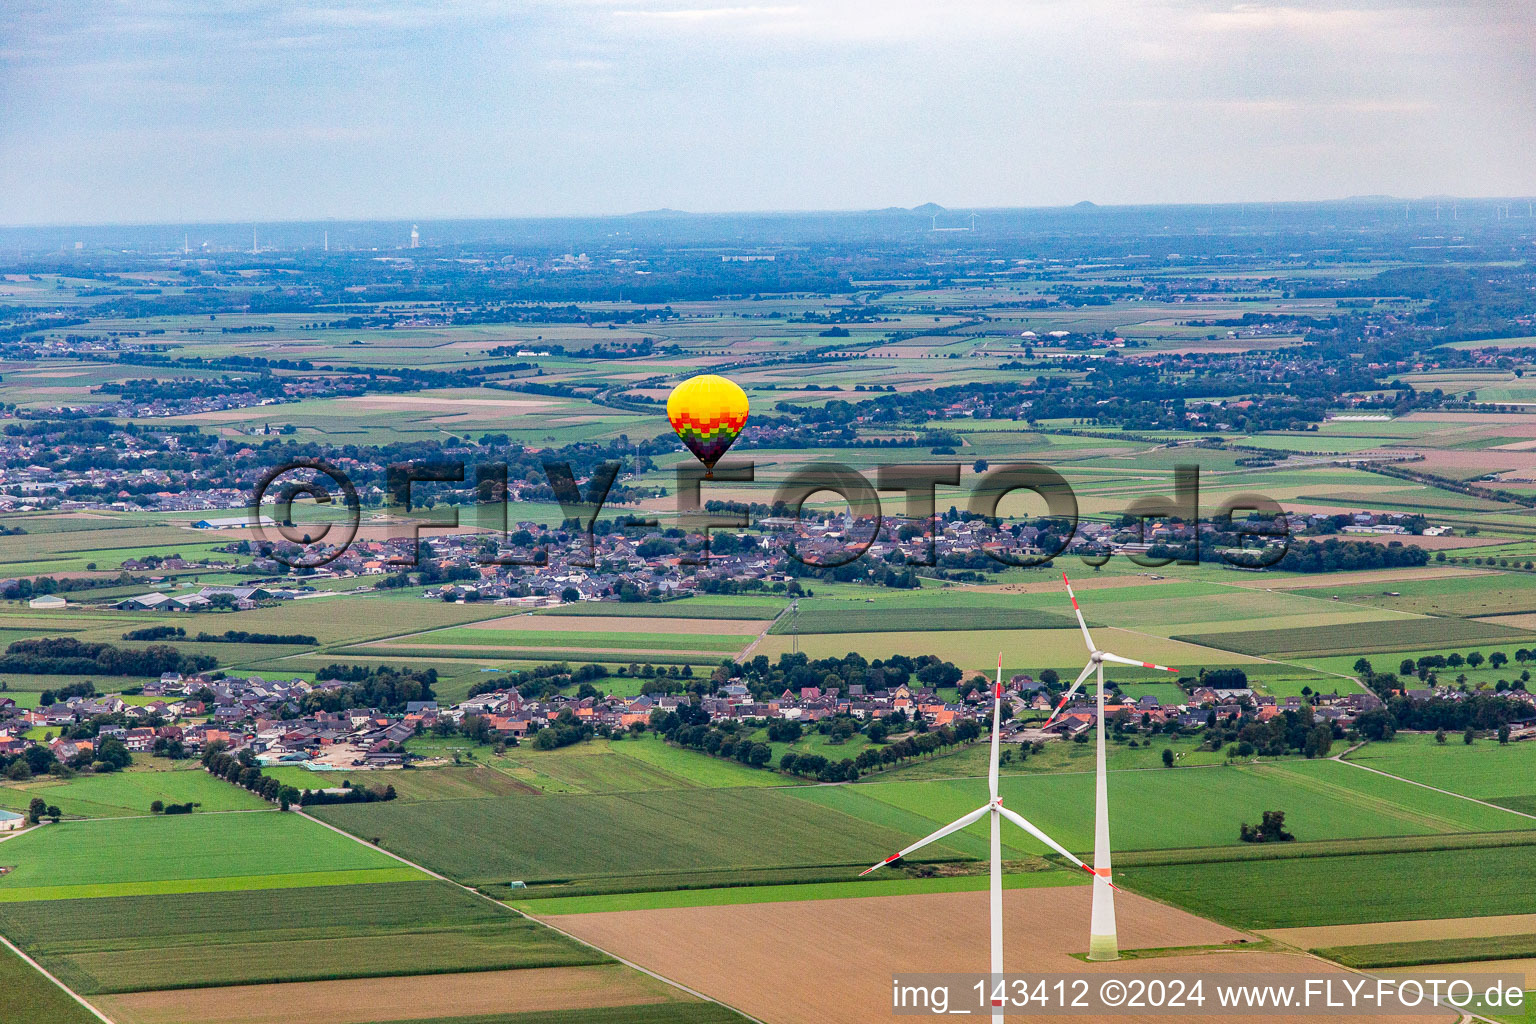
186 110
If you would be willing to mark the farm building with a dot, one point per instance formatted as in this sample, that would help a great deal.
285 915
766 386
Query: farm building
47 601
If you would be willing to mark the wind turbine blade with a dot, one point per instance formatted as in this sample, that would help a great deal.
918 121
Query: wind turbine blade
1023 823
1079 613
1084 674
1134 664
953 826
997 721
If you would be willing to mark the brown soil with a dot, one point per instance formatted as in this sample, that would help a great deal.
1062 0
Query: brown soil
370 1000
832 960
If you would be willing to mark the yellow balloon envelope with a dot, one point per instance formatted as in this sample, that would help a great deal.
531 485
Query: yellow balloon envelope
707 412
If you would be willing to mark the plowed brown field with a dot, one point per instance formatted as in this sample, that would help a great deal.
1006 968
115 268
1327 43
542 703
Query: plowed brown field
832 960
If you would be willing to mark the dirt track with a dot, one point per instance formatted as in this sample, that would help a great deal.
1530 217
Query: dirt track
832 960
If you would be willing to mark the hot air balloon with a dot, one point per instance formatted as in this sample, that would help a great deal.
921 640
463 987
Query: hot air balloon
707 412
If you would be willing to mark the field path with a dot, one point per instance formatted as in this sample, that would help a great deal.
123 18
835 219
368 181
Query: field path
480 895
1421 785
45 973
761 636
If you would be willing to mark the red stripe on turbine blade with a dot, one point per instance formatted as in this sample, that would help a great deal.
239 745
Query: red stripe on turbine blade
1088 869
894 856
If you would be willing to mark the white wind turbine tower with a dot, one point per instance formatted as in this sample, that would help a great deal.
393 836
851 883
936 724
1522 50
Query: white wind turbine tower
996 811
1102 942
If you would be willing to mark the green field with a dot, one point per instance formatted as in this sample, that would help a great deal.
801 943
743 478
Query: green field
1432 951
131 792
633 764
185 853
1487 770
1352 639
1306 891
135 944
27 997
446 783
718 608
583 640
950 614
1322 800
658 838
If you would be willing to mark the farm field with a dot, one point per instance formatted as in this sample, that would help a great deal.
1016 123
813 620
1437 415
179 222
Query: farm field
145 943
215 852
131 792
1310 892
1322 800
793 892
1487 770
541 993
1350 639
976 650
734 953
634 764
445 783
732 608
1387 932
26 995
1433 951
488 639
652 840
938 614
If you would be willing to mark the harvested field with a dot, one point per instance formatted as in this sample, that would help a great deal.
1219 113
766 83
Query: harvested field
623 624
378 1000
738 954
1405 931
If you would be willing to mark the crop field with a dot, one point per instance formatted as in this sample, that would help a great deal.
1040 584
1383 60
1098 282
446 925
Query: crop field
693 608
140 944
1023 650
1487 770
582 641
1322 800
1381 637
1308 892
1434 951
445 783
26 995
656 838
940 615
602 624
1469 596
214 852
131 792
633 764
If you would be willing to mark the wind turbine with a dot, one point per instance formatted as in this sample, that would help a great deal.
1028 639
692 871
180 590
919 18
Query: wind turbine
1102 942
996 811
